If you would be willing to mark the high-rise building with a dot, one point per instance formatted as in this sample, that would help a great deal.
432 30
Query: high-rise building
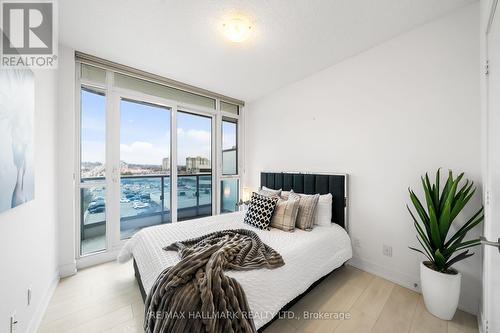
195 164
165 165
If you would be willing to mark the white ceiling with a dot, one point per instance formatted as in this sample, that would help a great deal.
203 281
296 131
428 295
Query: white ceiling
181 39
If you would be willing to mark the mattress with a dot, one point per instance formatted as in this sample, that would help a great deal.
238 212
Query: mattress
308 256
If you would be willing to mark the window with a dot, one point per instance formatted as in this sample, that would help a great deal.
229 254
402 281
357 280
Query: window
155 89
92 170
148 154
92 74
229 146
228 107
92 135
229 195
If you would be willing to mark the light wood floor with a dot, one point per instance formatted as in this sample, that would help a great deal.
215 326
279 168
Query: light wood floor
106 298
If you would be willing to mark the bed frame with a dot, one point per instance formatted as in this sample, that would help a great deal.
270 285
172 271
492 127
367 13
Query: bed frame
312 183
308 183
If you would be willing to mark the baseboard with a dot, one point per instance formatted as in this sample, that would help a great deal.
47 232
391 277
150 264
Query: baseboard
400 278
97 259
481 322
67 270
36 320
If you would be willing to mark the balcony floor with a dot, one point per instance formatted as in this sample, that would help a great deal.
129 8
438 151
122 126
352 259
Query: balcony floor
93 244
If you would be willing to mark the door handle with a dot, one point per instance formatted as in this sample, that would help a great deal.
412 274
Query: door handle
484 241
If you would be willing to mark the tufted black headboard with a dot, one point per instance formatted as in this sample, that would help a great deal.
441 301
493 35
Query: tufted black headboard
336 184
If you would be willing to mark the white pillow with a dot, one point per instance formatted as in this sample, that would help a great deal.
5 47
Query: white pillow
269 191
323 215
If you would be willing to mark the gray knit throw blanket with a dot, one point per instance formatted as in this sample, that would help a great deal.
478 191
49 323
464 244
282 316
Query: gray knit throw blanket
196 296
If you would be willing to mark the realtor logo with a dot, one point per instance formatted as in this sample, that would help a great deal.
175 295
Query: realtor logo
29 36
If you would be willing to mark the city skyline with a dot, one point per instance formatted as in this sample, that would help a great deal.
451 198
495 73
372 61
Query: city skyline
145 139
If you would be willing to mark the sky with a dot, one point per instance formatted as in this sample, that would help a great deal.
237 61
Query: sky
145 132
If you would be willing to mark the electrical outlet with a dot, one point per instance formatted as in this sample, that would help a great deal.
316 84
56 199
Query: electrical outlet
387 250
356 242
29 295
13 323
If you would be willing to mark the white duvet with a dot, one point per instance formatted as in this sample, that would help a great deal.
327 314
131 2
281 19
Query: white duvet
308 256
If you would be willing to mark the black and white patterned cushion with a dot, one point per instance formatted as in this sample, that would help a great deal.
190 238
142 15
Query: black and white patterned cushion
260 211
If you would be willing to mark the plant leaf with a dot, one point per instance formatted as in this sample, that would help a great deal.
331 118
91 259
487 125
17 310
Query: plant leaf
435 236
442 209
427 191
466 245
458 245
460 203
425 249
420 210
424 238
446 189
431 189
436 192
453 247
471 223
414 249
418 227
453 205
464 191
457 258
439 261
433 221
450 195
445 220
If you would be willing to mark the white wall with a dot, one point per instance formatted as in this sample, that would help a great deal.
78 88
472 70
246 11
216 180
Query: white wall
28 233
385 117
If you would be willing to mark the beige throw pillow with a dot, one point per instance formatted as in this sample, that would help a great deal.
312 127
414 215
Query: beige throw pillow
285 213
307 209
285 194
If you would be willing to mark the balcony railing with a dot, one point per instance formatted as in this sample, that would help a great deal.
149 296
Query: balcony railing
145 200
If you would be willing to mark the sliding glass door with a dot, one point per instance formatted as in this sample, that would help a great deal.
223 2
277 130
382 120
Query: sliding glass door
144 166
194 165
137 190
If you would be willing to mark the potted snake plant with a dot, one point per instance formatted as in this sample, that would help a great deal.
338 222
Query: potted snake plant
442 247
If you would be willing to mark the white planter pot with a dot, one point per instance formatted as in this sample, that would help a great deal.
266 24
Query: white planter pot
441 292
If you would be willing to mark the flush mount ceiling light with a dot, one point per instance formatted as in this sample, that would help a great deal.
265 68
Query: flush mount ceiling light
237 29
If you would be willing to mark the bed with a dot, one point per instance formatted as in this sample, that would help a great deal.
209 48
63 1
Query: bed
309 255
